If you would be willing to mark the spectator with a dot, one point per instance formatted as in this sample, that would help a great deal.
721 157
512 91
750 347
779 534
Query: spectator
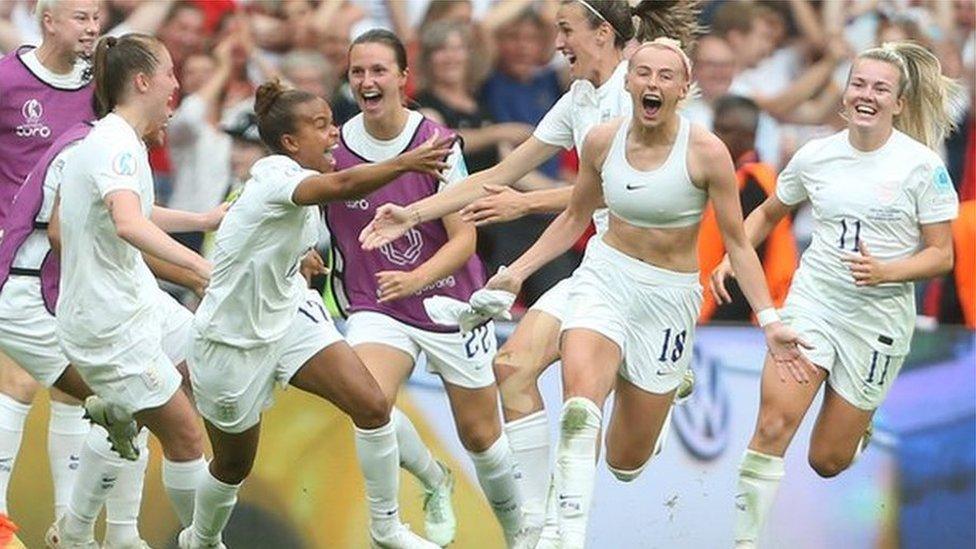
445 61
199 150
182 32
309 71
713 68
522 88
736 122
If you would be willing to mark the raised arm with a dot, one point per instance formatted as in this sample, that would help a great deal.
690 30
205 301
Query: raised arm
361 180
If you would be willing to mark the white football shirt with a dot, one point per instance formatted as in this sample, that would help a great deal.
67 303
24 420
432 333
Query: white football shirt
578 110
107 291
879 198
256 288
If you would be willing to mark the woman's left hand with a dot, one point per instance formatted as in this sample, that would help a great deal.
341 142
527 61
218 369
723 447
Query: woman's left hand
397 285
212 219
865 268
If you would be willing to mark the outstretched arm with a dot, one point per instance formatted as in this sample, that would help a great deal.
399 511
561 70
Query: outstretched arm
570 224
393 221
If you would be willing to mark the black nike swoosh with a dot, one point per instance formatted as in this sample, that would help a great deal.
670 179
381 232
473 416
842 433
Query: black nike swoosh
634 188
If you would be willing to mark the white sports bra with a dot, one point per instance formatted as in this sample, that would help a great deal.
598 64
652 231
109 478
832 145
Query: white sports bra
663 197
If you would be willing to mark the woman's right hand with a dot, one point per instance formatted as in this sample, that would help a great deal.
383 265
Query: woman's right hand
390 223
430 157
504 280
202 268
717 281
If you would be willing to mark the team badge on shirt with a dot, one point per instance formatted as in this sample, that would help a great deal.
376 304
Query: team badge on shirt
124 163
941 180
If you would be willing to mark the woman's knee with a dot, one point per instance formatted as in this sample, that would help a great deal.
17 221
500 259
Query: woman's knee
372 411
775 427
231 467
477 435
828 463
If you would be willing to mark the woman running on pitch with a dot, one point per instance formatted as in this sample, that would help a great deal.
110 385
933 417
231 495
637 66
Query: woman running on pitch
634 300
383 290
883 202
592 37
114 323
259 323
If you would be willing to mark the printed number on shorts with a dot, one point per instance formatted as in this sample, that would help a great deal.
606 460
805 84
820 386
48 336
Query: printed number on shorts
477 340
875 359
314 311
676 345
855 227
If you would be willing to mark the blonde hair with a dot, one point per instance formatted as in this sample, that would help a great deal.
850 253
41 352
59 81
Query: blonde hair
929 95
670 44
43 6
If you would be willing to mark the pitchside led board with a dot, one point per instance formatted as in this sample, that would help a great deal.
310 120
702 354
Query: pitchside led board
915 487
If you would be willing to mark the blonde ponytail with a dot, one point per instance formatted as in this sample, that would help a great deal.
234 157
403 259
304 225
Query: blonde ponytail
929 95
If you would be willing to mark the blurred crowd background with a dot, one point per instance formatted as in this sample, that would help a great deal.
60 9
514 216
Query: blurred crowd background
771 75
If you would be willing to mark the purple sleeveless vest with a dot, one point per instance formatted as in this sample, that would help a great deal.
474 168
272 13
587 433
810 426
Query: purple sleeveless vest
32 115
354 282
21 221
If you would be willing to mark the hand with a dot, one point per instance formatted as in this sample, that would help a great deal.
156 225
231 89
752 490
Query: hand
389 223
428 158
784 346
212 219
865 268
716 281
312 265
224 51
506 280
397 285
202 269
198 285
502 204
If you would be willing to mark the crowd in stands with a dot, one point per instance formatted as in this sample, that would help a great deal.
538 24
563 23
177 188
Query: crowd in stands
770 74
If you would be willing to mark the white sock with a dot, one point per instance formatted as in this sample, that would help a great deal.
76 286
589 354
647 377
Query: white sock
550 525
379 459
13 414
579 429
98 469
66 433
181 480
415 457
529 439
215 502
495 468
759 476
122 505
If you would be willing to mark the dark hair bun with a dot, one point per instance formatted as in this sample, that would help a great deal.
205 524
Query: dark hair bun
267 94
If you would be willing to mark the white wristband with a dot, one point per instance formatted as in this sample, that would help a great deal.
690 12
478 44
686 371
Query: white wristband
767 316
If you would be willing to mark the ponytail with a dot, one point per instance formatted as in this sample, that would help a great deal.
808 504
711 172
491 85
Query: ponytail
114 63
676 19
929 95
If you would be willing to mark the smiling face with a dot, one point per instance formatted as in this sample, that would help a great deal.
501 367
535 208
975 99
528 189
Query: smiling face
314 136
657 81
73 25
376 80
871 98
578 41
158 90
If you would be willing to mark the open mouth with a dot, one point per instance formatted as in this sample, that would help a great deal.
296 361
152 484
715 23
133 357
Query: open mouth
865 110
652 105
571 58
371 98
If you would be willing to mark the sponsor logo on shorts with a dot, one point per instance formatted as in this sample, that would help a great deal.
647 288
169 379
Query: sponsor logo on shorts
151 378
703 422
33 111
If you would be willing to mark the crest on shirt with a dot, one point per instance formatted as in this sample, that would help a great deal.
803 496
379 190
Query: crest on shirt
124 164
941 180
